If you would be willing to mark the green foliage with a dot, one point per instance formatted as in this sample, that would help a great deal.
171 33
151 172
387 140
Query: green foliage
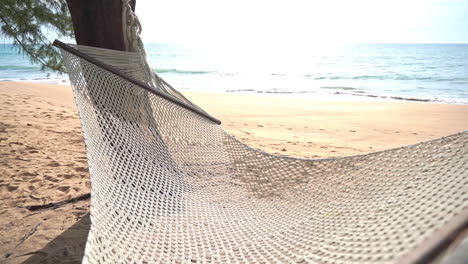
28 22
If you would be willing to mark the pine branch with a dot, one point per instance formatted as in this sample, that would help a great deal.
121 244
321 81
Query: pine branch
26 21
25 49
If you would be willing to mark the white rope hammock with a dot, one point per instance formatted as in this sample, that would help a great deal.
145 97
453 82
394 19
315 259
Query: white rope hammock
169 185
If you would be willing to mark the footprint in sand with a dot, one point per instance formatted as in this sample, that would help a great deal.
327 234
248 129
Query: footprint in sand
52 179
67 176
11 188
81 169
3 127
54 164
28 174
64 189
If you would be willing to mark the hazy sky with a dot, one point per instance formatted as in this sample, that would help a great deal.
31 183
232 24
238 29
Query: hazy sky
307 22
304 22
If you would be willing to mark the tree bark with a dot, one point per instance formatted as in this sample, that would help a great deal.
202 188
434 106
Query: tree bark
98 23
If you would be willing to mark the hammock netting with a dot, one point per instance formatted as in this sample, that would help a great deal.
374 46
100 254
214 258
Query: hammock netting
171 186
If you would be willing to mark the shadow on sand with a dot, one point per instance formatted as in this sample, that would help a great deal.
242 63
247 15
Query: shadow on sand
67 248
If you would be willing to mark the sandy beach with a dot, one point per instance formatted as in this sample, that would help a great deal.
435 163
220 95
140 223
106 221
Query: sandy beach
43 159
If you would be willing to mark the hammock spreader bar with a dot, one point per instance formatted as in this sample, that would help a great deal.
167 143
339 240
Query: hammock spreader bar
176 101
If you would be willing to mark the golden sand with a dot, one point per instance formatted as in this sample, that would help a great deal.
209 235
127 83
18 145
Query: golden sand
43 160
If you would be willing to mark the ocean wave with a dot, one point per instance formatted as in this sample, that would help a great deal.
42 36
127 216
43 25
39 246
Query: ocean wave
240 90
15 67
182 71
393 97
360 77
283 91
398 77
51 80
356 93
346 88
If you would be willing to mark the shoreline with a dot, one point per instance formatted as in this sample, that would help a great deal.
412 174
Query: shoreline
317 94
306 127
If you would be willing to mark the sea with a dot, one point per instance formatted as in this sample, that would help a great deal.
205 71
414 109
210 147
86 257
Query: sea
404 72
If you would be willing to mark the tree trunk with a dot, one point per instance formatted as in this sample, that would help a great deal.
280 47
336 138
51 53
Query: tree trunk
98 23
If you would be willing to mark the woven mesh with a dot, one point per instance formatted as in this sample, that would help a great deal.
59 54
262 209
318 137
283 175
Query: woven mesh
133 64
170 186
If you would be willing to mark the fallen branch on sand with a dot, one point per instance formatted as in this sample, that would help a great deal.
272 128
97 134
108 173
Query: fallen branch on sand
58 204
30 233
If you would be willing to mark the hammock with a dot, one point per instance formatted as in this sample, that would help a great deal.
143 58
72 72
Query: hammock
169 185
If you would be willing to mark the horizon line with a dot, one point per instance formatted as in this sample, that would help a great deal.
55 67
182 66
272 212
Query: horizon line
328 43
342 43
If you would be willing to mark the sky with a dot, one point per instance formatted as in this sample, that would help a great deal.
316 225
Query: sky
307 22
